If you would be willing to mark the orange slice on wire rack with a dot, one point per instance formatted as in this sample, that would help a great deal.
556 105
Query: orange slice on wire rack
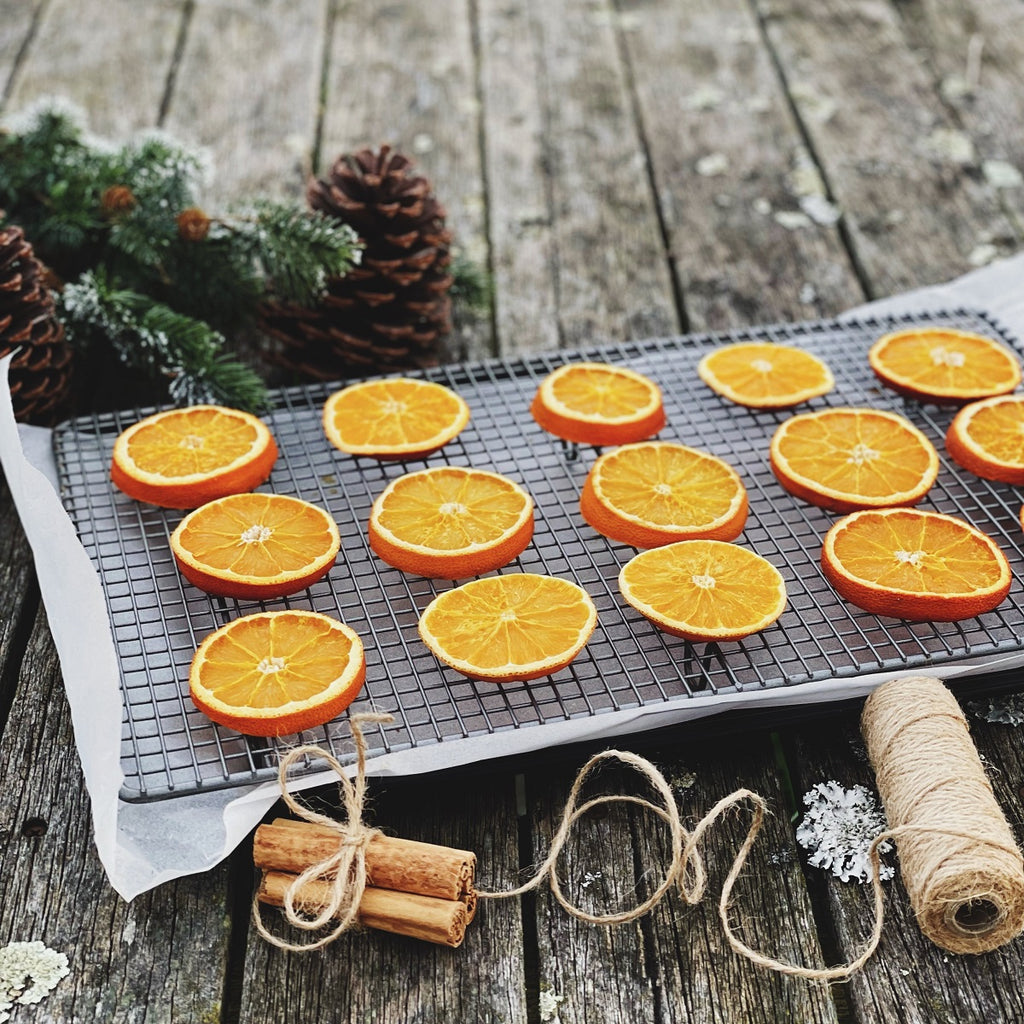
451 522
182 458
513 627
849 459
658 492
939 364
916 565
987 438
394 418
761 375
276 673
598 404
255 546
704 589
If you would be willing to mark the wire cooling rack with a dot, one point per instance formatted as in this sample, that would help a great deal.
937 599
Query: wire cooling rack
157 619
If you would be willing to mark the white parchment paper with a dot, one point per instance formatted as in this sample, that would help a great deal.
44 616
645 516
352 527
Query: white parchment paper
142 845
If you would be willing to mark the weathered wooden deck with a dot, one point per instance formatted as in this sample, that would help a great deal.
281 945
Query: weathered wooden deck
623 169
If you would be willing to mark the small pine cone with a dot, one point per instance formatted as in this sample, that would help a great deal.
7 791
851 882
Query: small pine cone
193 224
392 310
117 199
40 370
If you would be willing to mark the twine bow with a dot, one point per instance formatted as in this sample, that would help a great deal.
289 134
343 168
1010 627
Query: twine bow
346 868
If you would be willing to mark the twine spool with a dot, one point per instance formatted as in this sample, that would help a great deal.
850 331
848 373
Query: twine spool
959 860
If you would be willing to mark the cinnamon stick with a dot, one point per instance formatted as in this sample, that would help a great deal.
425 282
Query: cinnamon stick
428 918
402 865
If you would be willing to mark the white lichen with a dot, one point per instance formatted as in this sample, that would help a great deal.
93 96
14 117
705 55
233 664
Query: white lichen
704 97
549 1004
951 146
820 209
29 971
814 105
839 827
1000 174
792 220
712 165
982 254
1007 709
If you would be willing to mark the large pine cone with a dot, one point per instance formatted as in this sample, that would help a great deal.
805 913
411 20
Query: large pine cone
392 311
40 371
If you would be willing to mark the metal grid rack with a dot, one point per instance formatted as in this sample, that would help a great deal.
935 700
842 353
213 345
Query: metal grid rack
157 619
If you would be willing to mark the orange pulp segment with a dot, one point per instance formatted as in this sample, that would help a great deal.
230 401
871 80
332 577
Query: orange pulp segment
276 673
761 375
940 364
451 522
598 404
916 565
658 492
181 458
512 627
987 438
704 589
848 459
394 418
255 546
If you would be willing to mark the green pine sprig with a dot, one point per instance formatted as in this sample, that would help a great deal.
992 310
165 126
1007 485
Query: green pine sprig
107 219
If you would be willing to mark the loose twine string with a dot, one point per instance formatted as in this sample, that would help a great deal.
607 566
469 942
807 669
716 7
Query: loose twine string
988 867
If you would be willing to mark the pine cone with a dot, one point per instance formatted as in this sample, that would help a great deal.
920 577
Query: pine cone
392 310
40 371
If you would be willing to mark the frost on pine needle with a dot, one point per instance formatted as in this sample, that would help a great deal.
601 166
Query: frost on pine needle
28 973
837 829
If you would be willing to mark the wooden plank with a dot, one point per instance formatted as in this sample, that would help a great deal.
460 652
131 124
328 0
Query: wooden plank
913 209
404 74
17 24
675 964
975 51
731 169
578 192
247 88
18 598
111 57
375 976
166 951
910 980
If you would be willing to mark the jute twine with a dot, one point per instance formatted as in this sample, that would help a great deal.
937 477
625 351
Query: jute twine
962 869
346 869
961 866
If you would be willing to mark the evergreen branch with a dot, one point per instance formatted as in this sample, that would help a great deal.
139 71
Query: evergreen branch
298 251
152 337
471 285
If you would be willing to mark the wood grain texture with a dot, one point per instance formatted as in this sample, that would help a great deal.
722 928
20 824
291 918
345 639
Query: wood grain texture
17 22
111 57
675 964
909 979
730 167
404 74
914 210
18 597
161 958
247 88
975 51
370 975
608 271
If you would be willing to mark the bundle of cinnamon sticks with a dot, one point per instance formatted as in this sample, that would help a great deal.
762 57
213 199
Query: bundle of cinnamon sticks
415 889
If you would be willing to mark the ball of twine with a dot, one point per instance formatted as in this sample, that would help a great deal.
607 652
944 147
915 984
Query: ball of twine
960 863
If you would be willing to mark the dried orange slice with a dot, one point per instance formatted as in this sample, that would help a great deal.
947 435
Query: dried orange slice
182 458
658 492
987 438
911 564
704 589
848 459
255 546
275 673
502 628
451 522
761 375
598 404
394 418
939 364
